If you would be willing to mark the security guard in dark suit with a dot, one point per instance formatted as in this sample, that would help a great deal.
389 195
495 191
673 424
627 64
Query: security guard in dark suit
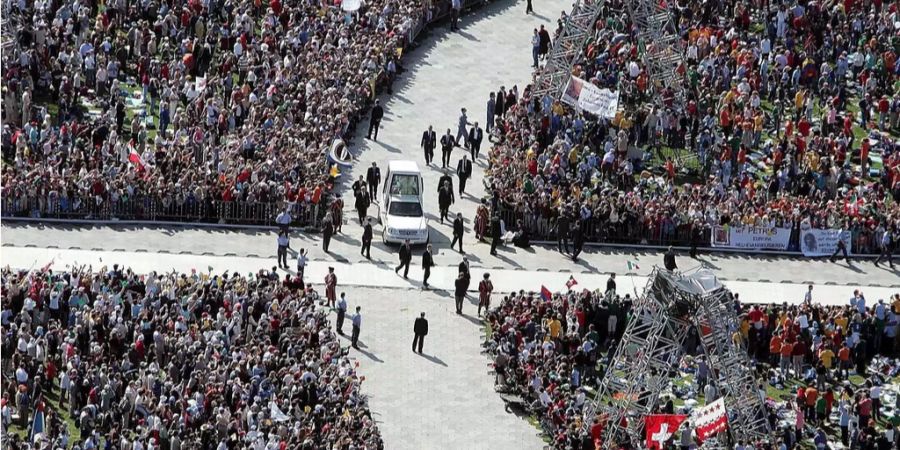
476 135
447 144
373 178
429 142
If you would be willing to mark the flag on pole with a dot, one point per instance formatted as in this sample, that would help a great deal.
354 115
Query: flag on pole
710 419
545 293
660 428
37 423
572 282
633 266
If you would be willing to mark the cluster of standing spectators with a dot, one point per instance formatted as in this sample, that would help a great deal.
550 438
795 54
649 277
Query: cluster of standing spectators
791 120
548 350
175 360
188 104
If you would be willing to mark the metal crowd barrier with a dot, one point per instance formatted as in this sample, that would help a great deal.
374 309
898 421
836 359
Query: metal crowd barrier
864 240
151 209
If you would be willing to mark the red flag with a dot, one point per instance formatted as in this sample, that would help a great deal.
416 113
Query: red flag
710 419
545 293
136 159
571 282
661 427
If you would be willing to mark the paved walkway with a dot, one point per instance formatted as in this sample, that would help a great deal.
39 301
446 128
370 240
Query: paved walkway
345 249
442 278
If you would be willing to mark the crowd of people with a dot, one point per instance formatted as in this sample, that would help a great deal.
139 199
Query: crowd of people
106 358
125 107
552 352
793 119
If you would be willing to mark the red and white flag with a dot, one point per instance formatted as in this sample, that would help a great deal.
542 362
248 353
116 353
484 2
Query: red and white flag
660 428
710 419
137 160
571 282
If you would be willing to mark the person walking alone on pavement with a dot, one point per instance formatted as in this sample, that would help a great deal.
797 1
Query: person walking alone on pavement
284 220
485 288
476 135
528 8
461 286
405 258
445 199
330 286
464 172
427 264
458 230
420 330
373 178
283 243
841 248
462 134
375 120
341 313
429 142
491 110
535 46
301 263
447 143
357 323
366 249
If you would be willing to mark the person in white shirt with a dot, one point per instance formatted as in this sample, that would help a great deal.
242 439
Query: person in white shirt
301 262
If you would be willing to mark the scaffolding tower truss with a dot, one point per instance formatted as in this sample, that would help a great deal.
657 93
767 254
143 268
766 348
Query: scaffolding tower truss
656 34
652 346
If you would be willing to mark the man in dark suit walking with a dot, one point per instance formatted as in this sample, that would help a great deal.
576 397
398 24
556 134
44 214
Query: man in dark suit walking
445 199
429 142
373 178
562 233
420 330
327 232
405 258
427 263
375 120
669 259
461 285
458 230
577 241
447 144
367 240
495 234
476 135
464 172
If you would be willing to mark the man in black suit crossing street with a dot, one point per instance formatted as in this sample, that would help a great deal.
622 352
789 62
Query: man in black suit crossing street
405 258
373 177
375 120
458 230
429 142
476 135
464 172
447 144
367 240
420 329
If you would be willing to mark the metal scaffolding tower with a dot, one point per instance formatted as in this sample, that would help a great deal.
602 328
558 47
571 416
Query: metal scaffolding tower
657 36
567 51
652 346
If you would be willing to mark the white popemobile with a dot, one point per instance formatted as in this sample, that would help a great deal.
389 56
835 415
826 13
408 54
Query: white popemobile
404 212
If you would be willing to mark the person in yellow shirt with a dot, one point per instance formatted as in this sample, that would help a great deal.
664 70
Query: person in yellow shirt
827 357
554 327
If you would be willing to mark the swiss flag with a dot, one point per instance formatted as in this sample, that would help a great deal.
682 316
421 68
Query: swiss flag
661 427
